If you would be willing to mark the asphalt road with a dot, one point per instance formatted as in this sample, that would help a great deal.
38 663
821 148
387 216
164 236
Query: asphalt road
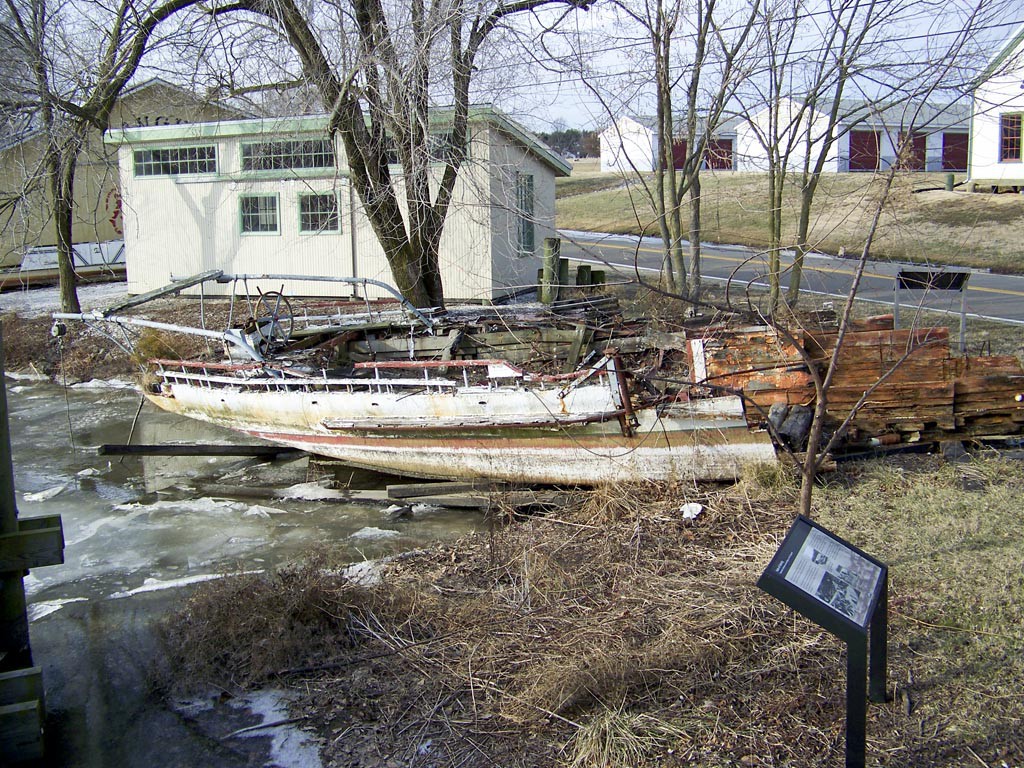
987 296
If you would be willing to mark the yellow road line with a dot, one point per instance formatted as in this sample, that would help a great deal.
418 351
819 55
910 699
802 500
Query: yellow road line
828 270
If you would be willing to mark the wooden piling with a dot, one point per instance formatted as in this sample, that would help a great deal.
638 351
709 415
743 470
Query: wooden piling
24 544
563 273
14 644
548 284
583 275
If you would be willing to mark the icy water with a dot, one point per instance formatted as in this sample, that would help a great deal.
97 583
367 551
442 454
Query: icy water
138 533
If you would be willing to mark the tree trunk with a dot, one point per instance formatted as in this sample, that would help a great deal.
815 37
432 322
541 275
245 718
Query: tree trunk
695 234
807 190
61 168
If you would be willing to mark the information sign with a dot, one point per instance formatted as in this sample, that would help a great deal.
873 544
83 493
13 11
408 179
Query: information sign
827 579
844 590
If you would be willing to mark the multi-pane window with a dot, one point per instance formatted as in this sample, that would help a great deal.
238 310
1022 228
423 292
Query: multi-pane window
319 213
440 148
287 155
175 161
259 213
1009 138
525 225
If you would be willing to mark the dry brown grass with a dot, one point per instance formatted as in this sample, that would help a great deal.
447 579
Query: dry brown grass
617 633
936 226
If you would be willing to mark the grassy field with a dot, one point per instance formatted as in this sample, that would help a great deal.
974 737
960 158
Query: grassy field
921 221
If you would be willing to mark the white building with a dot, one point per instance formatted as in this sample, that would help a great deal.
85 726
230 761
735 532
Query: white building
632 144
869 136
995 154
273 196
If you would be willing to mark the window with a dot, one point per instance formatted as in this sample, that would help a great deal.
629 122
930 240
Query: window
525 229
175 161
285 155
319 213
440 148
259 213
1009 138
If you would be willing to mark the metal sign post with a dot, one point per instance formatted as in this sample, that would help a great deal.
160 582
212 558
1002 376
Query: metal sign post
945 279
845 591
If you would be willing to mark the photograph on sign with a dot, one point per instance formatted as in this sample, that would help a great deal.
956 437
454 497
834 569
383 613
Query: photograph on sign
835 575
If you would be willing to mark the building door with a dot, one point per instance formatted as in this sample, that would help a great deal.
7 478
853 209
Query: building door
679 153
720 155
954 151
864 150
913 153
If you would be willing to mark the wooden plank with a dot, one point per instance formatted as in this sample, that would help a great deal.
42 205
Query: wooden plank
455 500
21 732
38 542
21 685
195 449
413 490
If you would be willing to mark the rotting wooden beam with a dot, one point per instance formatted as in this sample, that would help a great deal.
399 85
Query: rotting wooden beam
38 541
196 449
21 732
404 491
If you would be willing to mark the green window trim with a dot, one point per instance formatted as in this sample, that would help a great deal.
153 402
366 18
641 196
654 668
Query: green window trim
288 155
319 213
259 214
526 225
175 161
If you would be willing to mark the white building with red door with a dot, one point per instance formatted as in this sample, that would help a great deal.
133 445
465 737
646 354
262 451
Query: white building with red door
633 145
869 136
996 159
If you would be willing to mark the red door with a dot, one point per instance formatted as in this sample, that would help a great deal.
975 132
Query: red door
912 154
954 151
720 155
863 150
679 153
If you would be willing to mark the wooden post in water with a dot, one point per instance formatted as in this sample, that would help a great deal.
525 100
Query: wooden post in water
14 645
549 281
24 544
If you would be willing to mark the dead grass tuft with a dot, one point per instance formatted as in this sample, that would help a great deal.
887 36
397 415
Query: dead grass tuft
618 633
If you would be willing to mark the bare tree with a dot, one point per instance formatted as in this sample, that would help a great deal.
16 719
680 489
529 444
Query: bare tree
381 68
829 67
81 59
690 55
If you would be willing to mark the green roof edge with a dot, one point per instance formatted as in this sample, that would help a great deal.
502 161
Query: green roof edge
318 124
1003 55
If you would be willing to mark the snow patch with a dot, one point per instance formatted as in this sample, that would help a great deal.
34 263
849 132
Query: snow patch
364 574
103 384
290 746
370 532
257 510
17 376
311 492
158 585
49 493
203 505
37 611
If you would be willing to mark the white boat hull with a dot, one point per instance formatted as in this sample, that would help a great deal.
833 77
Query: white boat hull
524 434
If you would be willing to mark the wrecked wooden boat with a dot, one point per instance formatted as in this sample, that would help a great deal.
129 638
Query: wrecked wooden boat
567 395
401 392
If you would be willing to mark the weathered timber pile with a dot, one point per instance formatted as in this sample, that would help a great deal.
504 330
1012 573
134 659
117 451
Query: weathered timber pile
907 383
